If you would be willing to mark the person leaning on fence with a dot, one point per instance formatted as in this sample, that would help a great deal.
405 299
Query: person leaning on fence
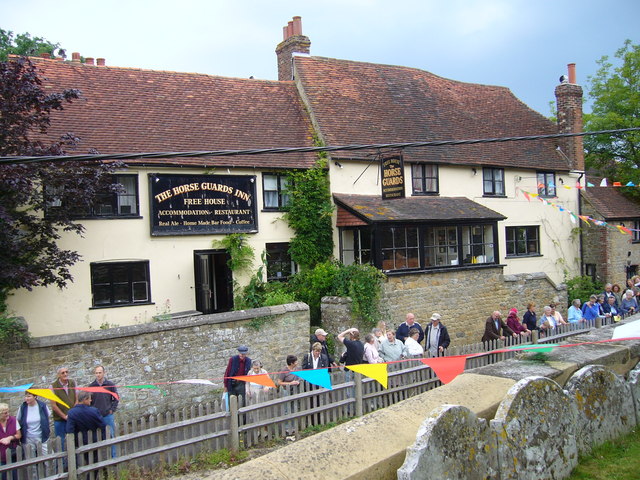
238 365
608 293
629 304
547 321
496 329
529 318
82 420
392 349
436 337
33 417
9 438
591 308
610 310
557 315
513 322
574 313
287 381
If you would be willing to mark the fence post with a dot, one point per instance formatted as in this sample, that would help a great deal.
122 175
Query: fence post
71 457
598 322
233 424
534 337
359 407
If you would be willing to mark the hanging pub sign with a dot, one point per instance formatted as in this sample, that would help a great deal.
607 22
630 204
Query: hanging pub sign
392 168
202 204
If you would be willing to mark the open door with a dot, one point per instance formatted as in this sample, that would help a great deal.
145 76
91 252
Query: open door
214 281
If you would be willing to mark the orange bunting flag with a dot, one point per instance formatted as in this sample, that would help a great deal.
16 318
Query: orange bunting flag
446 368
262 379
617 184
377 371
585 219
623 229
526 195
100 390
48 394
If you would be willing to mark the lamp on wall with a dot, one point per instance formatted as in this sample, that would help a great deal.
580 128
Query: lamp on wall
475 172
338 164
561 180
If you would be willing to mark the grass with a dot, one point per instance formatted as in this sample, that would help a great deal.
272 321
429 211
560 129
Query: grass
615 460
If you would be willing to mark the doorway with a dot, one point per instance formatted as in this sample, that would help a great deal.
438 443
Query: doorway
214 281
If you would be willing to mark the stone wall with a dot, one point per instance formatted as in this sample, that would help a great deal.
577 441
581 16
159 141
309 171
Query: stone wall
464 298
196 347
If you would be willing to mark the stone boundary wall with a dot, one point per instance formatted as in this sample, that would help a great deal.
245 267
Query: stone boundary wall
464 298
375 445
538 432
155 353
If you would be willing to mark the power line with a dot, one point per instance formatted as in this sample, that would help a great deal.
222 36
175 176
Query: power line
285 150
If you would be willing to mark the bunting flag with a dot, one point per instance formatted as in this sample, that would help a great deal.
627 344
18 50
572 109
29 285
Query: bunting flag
197 381
19 388
623 229
48 394
630 184
526 195
573 218
589 184
446 368
544 347
617 184
262 379
99 390
377 371
150 386
319 376
603 183
585 219
568 187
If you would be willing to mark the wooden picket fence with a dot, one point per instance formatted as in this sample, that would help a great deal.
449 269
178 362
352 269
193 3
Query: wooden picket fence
269 414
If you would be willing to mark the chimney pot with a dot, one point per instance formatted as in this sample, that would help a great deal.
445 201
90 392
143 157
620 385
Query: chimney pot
75 57
297 25
284 33
101 62
45 55
88 61
572 73
290 29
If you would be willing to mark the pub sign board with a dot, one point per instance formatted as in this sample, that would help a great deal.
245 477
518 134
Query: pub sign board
392 171
202 204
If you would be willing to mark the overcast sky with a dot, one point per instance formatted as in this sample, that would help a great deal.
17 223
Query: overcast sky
523 45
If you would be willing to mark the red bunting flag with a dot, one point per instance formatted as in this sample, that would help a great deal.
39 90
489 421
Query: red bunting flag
446 368
99 390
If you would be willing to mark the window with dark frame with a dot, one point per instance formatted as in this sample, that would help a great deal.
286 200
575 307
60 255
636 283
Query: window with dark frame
424 178
274 191
355 245
399 248
493 181
523 241
546 184
635 233
120 283
123 203
279 264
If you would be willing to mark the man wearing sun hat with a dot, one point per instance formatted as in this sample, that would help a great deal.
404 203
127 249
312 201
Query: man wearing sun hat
238 365
436 337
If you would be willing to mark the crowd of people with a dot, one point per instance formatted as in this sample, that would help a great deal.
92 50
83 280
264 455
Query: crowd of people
85 415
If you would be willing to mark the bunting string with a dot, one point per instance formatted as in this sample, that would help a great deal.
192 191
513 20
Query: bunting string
445 368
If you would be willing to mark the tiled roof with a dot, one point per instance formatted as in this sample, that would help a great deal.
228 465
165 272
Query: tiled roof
373 209
610 203
365 103
124 110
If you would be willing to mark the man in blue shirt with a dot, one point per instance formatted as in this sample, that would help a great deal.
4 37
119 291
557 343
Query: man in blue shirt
83 418
590 309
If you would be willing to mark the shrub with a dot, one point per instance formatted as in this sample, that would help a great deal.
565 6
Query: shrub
582 287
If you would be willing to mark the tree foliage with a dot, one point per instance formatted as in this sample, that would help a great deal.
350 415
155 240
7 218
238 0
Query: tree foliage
309 215
29 254
23 44
615 92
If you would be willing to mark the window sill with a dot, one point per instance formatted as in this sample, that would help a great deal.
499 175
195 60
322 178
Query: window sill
281 209
118 305
425 194
488 195
509 257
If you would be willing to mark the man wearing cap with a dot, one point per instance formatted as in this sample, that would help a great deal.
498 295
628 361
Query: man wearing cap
437 337
321 336
238 365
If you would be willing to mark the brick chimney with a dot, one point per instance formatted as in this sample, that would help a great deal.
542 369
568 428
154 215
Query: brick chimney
293 42
569 103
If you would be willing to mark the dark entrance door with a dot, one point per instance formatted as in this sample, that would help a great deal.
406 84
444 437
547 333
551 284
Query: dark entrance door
214 281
